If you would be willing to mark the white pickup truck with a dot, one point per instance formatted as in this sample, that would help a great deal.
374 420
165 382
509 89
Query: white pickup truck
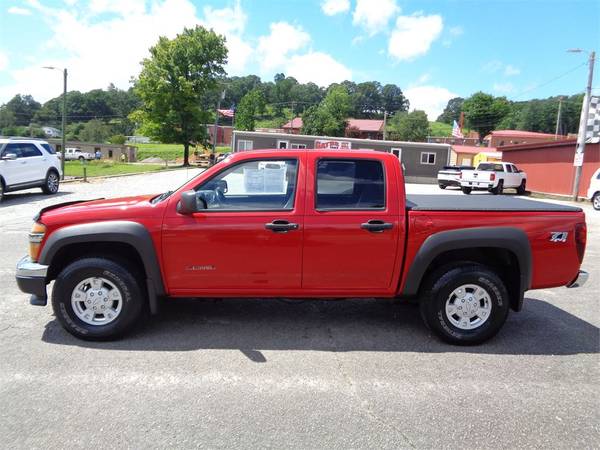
72 154
494 177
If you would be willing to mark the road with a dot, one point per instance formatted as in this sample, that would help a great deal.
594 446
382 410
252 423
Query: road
311 374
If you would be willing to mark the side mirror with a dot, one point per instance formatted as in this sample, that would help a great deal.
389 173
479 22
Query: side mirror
190 203
9 157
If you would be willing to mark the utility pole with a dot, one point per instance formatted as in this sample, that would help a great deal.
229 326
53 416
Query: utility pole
64 119
64 124
215 129
580 148
558 119
384 125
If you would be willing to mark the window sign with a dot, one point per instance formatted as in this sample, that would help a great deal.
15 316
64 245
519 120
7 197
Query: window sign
333 144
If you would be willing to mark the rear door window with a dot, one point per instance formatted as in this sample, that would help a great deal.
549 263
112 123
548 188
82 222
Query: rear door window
347 184
30 150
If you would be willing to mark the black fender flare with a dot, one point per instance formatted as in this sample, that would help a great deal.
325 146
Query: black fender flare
126 232
508 238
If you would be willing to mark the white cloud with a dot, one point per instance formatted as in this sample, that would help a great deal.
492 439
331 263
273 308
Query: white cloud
275 48
99 50
503 88
318 67
496 66
374 15
19 11
333 7
431 99
456 31
424 78
413 35
509 70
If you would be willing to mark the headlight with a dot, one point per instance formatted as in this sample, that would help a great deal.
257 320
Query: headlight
38 230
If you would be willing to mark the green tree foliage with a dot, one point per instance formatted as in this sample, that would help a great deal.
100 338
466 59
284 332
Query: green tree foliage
173 81
451 111
251 105
95 131
329 118
412 126
19 110
483 112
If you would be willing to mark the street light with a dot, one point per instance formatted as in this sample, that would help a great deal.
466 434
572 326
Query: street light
585 111
64 118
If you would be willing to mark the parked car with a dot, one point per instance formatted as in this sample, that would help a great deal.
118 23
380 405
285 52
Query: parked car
337 224
494 177
450 175
27 163
72 154
593 192
222 156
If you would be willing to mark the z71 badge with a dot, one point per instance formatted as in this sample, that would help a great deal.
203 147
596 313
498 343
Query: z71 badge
559 236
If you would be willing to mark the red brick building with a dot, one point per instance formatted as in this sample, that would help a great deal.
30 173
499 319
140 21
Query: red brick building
549 165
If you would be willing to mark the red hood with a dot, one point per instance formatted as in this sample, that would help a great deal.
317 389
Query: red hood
104 209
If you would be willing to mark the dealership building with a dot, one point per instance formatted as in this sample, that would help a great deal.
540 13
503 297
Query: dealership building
421 160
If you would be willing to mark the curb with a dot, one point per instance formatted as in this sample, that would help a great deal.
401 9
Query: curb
102 177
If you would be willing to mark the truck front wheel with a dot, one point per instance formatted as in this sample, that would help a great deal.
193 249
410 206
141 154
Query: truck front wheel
465 304
466 190
97 299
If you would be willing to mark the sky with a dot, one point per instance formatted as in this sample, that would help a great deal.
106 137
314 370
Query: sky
433 50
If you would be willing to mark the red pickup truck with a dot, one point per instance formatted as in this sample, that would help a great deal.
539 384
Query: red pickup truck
301 223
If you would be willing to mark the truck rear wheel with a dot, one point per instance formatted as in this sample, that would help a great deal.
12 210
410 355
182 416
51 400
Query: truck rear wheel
465 304
522 189
466 190
499 189
97 299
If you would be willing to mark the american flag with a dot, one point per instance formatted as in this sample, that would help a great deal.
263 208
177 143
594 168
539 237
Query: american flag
456 131
226 112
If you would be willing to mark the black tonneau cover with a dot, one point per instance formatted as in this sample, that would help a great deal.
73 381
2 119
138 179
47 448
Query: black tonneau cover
481 203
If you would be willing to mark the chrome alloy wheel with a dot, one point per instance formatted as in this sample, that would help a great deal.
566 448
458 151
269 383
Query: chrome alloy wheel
468 307
596 201
52 182
96 301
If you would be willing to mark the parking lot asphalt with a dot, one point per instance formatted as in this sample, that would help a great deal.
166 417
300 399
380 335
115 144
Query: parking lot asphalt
294 374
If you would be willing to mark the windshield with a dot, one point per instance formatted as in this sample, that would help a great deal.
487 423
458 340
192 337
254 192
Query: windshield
487 167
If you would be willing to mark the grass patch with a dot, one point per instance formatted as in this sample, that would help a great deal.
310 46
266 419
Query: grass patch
103 168
170 152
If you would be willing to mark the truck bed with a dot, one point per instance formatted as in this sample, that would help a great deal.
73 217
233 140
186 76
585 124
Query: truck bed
481 203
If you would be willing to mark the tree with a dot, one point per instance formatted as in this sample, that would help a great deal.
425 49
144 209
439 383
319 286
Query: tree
95 131
329 118
393 100
451 111
484 112
172 83
413 126
23 108
252 104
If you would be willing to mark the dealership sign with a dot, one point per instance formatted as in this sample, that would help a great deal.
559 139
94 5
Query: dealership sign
333 144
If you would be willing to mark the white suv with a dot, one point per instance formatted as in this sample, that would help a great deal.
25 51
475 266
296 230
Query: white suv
27 163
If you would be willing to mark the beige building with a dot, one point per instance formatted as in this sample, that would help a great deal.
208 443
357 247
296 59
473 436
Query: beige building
109 151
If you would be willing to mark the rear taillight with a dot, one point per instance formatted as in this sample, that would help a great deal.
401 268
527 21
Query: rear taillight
492 176
580 240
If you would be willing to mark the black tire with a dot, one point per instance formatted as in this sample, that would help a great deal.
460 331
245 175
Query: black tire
522 189
442 186
438 289
51 183
133 298
466 190
499 189
1 189
81 158
595 201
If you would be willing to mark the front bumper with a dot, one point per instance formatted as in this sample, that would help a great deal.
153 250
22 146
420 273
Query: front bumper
579 280
31 279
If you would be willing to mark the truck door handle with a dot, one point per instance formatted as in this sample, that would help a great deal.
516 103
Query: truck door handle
281 226
376 226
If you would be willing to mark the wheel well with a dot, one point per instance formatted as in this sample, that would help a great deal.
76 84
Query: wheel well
116 251
502 261
52 169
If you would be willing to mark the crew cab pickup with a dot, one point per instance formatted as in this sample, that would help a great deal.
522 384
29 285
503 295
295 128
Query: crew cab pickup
494 177
72 154
301 223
